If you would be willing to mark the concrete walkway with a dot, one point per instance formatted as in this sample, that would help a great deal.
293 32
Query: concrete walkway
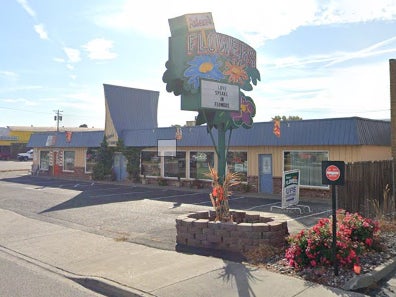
120 268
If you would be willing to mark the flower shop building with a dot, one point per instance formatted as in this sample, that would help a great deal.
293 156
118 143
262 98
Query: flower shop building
257 153
260 156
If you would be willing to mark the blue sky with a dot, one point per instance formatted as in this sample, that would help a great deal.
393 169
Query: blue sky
317 59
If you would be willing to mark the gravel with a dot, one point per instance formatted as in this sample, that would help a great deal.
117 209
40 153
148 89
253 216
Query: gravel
326 275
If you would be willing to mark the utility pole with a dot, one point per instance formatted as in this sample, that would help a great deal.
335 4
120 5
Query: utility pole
57 118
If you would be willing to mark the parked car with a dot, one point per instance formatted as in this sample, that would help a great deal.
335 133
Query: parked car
25 156
5 156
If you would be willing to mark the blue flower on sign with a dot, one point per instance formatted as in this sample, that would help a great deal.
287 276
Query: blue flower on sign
206 67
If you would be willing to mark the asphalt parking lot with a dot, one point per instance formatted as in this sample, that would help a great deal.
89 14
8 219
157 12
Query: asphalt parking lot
143 214
84 195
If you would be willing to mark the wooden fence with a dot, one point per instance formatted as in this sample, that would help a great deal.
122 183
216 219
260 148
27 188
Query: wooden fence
365 184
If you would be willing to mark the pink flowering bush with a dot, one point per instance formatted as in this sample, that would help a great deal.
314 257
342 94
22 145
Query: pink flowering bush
313 247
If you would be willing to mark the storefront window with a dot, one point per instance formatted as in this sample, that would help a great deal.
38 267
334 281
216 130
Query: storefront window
175 166
237 162
68 160
199 164
150 164
309 163
44 160
90 159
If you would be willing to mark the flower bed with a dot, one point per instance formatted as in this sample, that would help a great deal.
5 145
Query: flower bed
247 231
355 236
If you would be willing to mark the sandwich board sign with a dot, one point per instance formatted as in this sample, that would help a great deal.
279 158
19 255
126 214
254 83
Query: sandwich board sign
290 188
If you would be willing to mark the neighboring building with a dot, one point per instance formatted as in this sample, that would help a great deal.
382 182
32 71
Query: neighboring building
256 153
14 139
65 154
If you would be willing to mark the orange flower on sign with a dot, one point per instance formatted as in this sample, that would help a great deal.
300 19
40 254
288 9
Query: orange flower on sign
235 73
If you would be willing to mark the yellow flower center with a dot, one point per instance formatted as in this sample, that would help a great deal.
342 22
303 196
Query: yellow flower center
235 70
205 67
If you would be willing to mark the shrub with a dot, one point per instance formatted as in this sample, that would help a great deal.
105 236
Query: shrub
313 247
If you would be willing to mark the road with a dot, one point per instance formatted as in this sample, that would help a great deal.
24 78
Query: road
19 278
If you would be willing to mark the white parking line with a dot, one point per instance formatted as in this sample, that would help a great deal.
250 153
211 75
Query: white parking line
182 195
263 205
116 194
310 215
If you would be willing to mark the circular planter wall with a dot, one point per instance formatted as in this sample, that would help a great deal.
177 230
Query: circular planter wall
248 231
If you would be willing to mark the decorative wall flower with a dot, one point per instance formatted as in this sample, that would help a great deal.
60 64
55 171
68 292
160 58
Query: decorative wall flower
206 67
245 116
236 73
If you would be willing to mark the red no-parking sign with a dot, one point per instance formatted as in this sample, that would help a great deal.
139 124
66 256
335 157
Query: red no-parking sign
333 172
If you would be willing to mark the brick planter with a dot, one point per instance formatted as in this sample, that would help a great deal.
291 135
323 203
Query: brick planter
248 231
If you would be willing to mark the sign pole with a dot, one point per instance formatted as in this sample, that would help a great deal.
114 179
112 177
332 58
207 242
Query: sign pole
221 152
333 174
334 229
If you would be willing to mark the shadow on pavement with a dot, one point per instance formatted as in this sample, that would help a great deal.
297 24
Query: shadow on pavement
243 277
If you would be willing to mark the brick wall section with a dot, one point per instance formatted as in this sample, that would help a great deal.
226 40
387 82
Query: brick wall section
248 231
78 173
252 188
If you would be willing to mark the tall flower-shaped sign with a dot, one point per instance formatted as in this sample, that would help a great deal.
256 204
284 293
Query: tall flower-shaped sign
198 53
209 70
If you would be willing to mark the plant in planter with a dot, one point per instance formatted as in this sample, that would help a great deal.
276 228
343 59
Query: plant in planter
162 181
178 183
221 192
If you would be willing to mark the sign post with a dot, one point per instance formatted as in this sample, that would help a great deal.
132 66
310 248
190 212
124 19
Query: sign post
333 173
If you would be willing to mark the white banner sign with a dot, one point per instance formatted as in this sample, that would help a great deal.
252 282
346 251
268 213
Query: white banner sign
215 95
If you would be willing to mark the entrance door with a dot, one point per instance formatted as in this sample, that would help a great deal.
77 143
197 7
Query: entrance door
120 167
265 173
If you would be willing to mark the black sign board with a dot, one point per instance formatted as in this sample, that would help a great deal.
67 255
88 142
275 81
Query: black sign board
333 173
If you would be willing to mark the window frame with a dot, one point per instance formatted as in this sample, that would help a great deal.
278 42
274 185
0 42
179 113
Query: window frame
48 160
244 176
318 168
190 152
65 169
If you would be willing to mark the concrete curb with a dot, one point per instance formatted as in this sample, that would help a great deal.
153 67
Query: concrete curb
369 279
97 284
12 170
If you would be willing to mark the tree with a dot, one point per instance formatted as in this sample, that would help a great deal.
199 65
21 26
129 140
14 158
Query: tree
284 118
104 162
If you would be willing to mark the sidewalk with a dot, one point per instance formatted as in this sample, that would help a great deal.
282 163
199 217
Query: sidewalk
127 269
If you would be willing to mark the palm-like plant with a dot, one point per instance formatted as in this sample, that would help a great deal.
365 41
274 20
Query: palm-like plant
221 192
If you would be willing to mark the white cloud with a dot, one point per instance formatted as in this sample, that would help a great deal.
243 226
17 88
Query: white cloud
354 11
100 49
25 5
21 102
72 54
253 23
373 50
41 31
59 60
9 74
